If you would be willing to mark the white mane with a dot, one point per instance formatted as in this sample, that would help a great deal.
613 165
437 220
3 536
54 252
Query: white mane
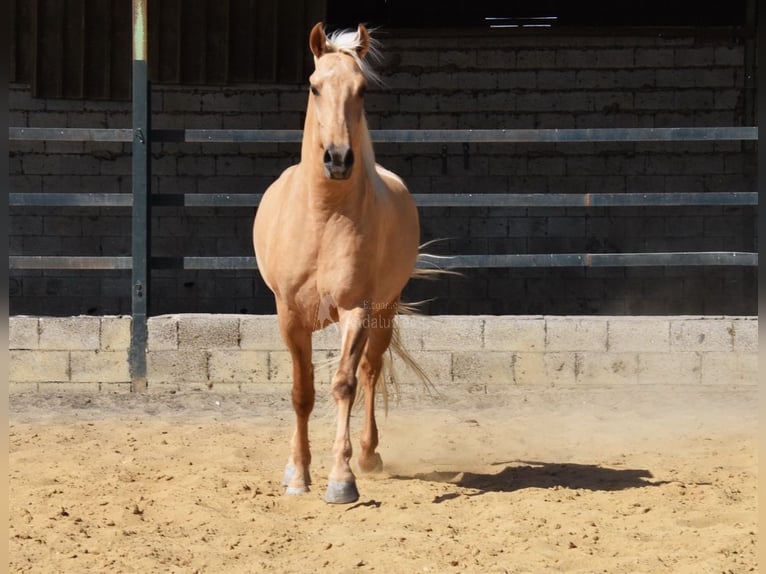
348 42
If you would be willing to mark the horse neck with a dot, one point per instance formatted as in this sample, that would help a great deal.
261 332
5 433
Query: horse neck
309 147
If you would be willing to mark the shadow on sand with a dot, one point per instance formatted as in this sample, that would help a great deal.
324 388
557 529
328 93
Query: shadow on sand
529 474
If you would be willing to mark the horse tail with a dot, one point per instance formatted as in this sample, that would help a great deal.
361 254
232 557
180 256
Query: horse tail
427 267
396 347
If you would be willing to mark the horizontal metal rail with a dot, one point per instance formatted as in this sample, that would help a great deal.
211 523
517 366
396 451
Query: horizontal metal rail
676 259
567 135
68 262
688 258
421 199
584 199
694 259
70 199
71 134
584 135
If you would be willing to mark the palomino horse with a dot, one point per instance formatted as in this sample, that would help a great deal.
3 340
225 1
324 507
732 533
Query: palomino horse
340 233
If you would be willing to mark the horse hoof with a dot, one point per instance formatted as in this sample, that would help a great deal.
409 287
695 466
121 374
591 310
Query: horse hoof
371 464
289 474
341 492
291 490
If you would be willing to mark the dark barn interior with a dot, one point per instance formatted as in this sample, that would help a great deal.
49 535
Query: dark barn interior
479 65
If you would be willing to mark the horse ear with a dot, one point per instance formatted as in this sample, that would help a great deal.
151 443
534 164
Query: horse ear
318 40
363 40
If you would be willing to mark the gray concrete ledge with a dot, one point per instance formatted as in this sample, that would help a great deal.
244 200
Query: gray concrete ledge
478 353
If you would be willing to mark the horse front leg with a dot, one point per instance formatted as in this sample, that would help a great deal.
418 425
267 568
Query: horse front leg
341 487
298 340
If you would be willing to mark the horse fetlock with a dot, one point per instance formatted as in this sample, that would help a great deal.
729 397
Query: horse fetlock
371 463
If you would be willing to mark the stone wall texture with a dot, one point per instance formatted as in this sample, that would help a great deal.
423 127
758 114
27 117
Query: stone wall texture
465 354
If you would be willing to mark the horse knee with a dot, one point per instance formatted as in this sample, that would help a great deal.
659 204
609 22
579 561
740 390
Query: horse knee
344 388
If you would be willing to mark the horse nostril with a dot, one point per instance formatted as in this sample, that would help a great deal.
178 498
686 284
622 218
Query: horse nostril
348 160
338 161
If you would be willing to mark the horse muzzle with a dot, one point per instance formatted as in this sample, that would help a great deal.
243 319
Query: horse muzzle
338 161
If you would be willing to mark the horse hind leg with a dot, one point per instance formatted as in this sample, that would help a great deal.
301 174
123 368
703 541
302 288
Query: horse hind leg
369 460
370 370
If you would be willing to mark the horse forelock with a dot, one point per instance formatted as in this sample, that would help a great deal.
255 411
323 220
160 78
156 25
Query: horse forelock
348 42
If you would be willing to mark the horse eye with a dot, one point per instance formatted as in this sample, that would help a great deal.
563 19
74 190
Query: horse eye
362 91
315 90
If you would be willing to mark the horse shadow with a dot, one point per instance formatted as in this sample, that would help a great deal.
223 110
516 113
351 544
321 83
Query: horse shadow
520 475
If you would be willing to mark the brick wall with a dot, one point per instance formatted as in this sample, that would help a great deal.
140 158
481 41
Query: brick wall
490 82
469 354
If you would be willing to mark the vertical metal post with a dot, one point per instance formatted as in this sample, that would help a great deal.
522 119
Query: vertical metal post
141 181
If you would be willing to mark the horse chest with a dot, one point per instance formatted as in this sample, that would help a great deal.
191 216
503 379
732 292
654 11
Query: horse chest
344 274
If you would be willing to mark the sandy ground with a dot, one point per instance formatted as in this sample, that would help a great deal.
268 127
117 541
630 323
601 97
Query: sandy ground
636 480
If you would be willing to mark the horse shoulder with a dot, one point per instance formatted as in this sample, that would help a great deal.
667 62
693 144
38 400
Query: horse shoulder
279 189
276 201
396 191
273 226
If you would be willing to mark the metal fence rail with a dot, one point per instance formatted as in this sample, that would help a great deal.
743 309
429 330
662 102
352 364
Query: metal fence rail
574 135
479 261
103 262
520 200
71 134
567 135
675 259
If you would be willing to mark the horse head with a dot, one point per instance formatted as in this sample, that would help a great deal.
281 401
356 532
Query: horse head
337 89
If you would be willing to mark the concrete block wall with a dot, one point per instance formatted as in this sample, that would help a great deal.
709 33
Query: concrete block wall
501 81
464 354
87 352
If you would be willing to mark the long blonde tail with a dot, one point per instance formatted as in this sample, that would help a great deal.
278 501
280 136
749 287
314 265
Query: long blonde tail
390 385
428 268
